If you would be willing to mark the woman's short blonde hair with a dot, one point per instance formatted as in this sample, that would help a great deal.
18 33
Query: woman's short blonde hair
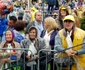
50 23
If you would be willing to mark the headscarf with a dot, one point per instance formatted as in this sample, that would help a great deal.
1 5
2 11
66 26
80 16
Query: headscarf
11 42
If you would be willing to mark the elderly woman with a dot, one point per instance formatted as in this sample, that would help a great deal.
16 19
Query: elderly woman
6 55
34 44
71 36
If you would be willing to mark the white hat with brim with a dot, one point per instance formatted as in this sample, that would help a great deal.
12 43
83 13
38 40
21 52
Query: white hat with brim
69 17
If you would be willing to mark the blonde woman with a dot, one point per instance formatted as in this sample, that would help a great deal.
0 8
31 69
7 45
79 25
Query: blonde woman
51 30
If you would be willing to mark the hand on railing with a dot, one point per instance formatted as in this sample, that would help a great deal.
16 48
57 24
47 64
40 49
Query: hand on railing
29 58
71 52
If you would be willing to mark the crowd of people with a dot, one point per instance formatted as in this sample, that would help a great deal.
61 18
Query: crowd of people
52 25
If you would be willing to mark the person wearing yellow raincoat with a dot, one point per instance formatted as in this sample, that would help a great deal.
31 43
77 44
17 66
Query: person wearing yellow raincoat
33 11
72 36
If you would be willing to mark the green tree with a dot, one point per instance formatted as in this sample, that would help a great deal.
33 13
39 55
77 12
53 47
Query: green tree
83 23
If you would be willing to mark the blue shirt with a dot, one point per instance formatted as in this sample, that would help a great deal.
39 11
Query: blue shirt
3 25
39 27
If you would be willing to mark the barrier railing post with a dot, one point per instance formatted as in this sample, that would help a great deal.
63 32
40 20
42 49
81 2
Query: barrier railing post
45 50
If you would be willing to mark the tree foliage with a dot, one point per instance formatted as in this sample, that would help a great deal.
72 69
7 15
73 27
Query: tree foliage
83 23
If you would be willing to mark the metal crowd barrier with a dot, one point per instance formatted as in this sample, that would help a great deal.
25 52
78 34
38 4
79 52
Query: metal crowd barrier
54 60
14 60
46 51
20 64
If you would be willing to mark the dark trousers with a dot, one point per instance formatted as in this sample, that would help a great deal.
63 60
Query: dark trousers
50 8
